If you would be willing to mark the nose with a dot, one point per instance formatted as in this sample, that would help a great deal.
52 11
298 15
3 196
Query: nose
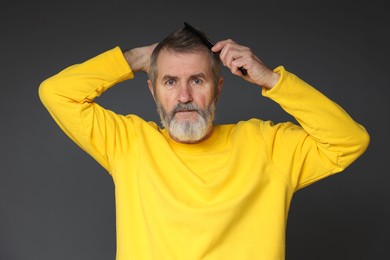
185 94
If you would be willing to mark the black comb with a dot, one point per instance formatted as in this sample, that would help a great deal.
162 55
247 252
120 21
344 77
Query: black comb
206 41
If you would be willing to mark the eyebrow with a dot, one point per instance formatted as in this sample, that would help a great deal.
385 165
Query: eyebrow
194 76
198 75
166 77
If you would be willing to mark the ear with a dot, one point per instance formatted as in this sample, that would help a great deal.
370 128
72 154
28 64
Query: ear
150 85
219 89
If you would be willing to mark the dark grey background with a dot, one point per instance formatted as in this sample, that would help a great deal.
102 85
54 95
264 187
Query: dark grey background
57 203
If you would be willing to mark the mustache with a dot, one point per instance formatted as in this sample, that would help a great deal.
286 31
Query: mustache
185 107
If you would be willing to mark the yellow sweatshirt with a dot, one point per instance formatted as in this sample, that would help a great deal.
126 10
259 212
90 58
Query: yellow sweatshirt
225 198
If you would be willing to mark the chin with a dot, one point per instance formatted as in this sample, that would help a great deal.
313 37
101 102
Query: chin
189 132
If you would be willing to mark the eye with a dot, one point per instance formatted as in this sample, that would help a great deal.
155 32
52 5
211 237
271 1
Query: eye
170 82
196 82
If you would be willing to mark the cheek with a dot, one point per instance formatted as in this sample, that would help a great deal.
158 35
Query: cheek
205 99
167 102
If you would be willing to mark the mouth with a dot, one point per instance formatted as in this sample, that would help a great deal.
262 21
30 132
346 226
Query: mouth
186 114
186 111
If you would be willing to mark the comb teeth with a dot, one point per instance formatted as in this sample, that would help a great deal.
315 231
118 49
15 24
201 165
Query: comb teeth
199 34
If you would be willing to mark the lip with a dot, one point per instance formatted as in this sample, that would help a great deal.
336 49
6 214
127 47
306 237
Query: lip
186 111
185 114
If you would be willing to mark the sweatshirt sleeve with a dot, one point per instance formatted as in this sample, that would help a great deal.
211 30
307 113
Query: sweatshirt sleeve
327 141
69 98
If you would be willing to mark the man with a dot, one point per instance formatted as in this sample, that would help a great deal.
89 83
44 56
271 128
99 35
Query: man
192 189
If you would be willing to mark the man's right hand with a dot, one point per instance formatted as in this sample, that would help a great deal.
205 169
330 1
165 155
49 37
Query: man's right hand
139 58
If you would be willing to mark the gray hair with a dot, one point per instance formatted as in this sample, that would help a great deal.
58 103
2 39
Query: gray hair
183 41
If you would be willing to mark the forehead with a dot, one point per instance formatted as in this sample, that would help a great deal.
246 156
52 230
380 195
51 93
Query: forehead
170 62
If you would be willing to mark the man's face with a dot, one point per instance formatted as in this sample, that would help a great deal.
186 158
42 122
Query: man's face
185 94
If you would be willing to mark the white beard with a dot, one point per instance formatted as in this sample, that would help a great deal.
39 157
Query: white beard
187 131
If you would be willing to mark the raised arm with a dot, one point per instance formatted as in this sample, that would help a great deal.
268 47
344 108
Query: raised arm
69 98
327 140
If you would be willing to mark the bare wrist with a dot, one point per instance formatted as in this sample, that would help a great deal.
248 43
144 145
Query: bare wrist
272 81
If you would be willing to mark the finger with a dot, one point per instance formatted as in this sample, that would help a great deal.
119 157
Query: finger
239 66
228 54
217 47
233 58
220 45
